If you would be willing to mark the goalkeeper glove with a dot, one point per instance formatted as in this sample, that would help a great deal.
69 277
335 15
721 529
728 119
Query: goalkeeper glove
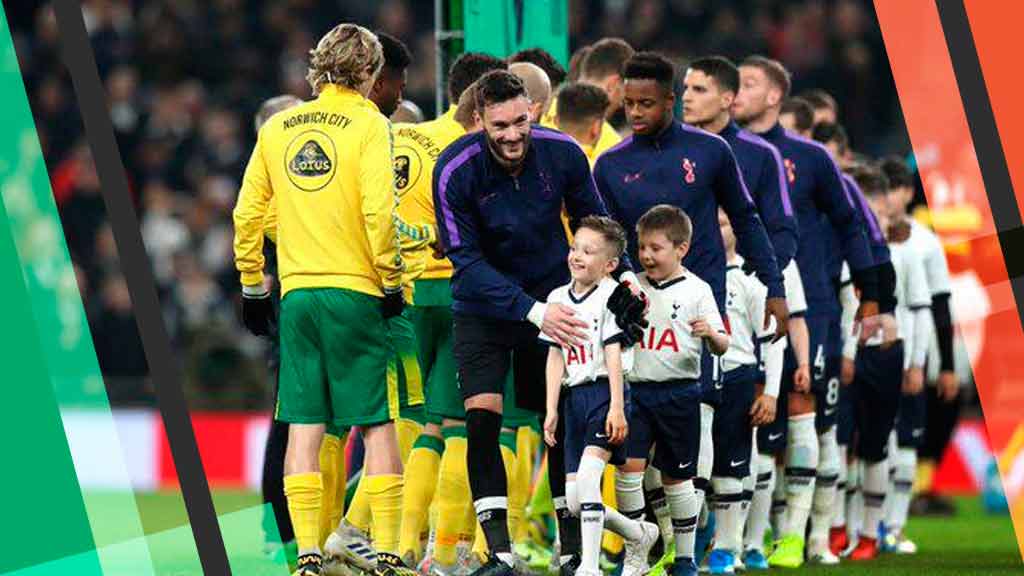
257 310
629 311
392 304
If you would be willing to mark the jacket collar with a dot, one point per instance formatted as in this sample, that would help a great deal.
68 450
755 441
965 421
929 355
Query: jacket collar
339 93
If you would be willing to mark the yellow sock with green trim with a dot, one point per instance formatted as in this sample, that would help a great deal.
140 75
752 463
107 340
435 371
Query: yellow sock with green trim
332 472
516 499
408 431
455 517
420 484
304 493
384 494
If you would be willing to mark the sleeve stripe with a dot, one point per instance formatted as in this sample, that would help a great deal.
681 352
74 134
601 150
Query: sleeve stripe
787 206
865 210
446 174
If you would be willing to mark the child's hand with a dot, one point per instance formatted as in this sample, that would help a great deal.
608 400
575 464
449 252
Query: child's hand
913 380
763 410
802 379
847 372
700 328
550 425
615 426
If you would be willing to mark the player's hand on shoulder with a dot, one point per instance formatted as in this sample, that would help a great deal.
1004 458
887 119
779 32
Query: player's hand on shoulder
562 325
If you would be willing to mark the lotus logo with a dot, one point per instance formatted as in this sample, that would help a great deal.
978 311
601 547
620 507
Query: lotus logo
310 161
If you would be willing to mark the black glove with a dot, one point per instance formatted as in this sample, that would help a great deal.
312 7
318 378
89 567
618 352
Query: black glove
257 313
392 304
629 311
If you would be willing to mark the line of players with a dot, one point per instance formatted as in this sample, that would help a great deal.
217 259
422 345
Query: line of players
793 467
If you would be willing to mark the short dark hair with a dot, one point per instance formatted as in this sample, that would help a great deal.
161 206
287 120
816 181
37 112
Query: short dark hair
801 111
871 181
897 171
468 68
819 99
396 54
606 57
668 219
498 86
576 62
579 103
542 58
609 229
831 132
650 66
773 69
721 69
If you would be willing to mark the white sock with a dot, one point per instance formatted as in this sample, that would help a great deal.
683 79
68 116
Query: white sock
654 494
592 513
893 446
905 460
684 507
778 509
801 467
876 480
839 510
854 500
748 485
727 504
824 490
705 461
629 493
761 503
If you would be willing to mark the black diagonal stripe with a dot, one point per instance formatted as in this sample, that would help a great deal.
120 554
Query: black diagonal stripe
987 146
81 63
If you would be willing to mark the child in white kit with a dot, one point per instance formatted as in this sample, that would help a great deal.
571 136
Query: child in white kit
664 383
591 374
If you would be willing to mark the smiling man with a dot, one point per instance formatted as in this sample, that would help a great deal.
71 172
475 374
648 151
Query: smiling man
498 197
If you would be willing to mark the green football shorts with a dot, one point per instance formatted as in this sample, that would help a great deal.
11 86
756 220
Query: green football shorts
338 361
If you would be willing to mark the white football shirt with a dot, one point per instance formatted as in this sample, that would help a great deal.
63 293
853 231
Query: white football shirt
744 303
924 241
586 363
668 350
913 303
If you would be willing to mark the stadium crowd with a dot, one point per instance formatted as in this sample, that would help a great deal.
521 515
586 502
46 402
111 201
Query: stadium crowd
185 78
183 121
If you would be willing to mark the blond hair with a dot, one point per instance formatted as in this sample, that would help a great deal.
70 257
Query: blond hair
348 55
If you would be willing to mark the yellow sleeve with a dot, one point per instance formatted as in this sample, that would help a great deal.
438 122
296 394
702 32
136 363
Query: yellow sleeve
270 220
249 216
377 186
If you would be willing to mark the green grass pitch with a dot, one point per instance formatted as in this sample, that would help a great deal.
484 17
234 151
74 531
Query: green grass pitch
971 543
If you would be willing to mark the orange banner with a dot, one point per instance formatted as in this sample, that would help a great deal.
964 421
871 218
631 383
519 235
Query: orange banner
983 305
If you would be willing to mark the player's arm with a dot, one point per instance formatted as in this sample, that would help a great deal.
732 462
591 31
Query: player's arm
377 187
751 238
776 210
832 199
919 304
937 270
270 220
249 217
553 373
459 234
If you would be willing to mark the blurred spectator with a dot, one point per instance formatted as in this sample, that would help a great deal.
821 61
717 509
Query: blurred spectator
184 78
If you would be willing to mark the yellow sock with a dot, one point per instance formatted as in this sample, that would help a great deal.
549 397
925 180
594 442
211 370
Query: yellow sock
358 513
924 477
610 541
384 494
408 432
304 493
332 470
480 543
516 500
420 484
455 517
519 486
